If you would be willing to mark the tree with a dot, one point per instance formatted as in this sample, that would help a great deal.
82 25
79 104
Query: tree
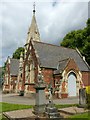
17 53
88 27
79 39
68 43
86 52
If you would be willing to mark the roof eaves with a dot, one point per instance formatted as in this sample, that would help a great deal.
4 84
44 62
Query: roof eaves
47 67
82 58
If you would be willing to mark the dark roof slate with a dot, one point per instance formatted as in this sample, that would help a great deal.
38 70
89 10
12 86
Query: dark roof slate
0 70
14 66
50 55
61 66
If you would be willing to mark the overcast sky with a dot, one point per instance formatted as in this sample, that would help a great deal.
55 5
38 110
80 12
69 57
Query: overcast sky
55 18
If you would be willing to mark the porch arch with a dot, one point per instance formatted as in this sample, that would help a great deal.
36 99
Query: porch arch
72 87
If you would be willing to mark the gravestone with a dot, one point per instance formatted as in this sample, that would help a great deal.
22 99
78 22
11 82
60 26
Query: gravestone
82 97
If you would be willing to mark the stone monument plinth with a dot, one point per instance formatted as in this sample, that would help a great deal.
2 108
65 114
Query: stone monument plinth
40 101
51 111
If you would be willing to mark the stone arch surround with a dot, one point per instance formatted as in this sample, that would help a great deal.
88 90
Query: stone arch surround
72 84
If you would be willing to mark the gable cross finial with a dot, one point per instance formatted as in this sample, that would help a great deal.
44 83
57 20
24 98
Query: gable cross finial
34 7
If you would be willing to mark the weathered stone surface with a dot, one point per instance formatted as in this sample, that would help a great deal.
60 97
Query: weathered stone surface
82 97
19 114
39 108
52 112
27 114
73 110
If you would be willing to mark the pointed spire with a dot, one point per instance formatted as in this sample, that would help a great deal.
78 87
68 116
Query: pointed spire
33 30
34 8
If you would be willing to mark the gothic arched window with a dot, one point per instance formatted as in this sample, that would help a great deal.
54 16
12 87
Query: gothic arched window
32 73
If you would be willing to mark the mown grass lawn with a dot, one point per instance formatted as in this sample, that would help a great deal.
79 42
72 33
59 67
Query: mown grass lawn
82 116
65 105
0 107
11 107
4 107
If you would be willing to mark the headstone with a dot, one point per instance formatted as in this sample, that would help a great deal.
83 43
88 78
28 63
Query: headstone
82 97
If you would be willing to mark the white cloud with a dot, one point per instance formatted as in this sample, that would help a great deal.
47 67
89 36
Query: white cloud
64 18
89 9
54 20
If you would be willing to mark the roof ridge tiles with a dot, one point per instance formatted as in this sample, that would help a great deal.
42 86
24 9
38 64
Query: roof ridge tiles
53 45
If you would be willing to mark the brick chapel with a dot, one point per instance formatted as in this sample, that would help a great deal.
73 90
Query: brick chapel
64 70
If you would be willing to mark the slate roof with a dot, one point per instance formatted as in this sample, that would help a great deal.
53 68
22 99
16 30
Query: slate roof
1 76
0 70
14 66
61 66
50 55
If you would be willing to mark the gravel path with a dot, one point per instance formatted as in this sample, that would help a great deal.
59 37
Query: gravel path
15 98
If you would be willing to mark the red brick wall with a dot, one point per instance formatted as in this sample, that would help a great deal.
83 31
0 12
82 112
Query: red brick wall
71 66
6 87
48 75
85 75
86 78
57 78
31 87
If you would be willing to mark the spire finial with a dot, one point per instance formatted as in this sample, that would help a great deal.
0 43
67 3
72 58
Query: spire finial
34 7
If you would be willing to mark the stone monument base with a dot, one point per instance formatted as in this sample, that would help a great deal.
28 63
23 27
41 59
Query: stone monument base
39 110
52 112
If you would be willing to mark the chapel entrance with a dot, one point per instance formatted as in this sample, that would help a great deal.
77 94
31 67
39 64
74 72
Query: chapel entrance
72 85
